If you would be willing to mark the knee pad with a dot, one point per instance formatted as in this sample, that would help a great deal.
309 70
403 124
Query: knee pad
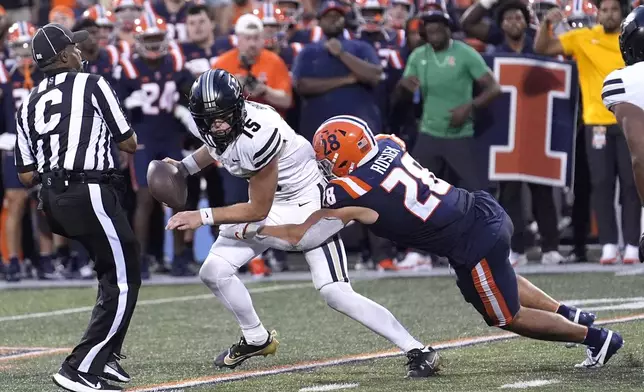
335 294
215 269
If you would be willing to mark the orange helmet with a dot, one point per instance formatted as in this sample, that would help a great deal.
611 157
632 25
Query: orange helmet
271 17
102 17
343 143
292 10
150 32
580 13
126 12
372 13
62 15
19 39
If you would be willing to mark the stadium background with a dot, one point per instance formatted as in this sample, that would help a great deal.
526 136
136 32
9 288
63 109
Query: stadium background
495 125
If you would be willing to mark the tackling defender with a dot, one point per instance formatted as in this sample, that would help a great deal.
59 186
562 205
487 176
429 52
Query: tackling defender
624 96
252 141
376 182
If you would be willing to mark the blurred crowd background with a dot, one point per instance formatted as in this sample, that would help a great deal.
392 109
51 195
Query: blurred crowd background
500 95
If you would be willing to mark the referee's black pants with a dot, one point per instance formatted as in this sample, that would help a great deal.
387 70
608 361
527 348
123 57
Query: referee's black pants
92 214
608 159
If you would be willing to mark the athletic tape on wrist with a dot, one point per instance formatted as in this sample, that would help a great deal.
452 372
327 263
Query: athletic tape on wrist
191 164
206 216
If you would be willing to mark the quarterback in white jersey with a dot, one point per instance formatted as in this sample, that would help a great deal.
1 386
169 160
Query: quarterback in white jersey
285 186
623 94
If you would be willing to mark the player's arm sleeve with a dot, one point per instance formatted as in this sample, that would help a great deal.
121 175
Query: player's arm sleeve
316 230
614 90
7 121
24 158
108 106
267 146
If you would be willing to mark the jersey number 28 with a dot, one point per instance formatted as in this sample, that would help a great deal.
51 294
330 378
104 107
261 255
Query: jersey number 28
409 177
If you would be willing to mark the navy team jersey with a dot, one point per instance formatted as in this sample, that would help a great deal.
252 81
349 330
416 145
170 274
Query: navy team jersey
315 34
176 23
103 64
151 93
388 47
416 209
197 59
224 44
7 108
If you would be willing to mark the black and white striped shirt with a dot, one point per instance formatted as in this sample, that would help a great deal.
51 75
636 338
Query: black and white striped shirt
68 122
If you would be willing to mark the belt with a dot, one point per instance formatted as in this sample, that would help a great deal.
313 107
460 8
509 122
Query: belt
80 177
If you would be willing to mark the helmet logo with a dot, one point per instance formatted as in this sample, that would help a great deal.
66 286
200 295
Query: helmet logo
330 144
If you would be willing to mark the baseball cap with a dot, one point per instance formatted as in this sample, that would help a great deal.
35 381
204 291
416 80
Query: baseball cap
53 39
435 16
249 24
327 6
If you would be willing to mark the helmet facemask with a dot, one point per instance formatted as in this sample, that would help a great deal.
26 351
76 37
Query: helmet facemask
212 126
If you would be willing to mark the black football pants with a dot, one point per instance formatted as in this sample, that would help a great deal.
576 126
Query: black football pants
92 214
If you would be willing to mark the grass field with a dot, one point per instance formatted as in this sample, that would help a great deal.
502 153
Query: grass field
177 330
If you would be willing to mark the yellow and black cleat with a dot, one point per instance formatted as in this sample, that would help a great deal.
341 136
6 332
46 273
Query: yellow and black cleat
241 351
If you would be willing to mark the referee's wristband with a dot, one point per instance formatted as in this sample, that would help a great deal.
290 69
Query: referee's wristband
190 164
206 216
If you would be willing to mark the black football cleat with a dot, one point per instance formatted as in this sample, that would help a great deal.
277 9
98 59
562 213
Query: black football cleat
597 357
113 370
238 353
72 380
423 363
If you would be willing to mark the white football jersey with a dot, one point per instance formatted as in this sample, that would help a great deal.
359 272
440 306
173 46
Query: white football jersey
266 135
625 85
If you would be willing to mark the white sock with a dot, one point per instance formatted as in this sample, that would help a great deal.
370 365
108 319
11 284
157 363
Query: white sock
341 297
219 276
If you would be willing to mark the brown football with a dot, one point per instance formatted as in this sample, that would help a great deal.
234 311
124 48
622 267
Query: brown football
167 185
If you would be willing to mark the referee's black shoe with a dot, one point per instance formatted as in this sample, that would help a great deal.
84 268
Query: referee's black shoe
72 380
113 370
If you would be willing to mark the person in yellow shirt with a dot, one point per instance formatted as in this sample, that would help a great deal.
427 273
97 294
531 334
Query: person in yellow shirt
596 51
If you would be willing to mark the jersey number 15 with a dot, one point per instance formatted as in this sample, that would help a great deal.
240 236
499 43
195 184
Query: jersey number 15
409 177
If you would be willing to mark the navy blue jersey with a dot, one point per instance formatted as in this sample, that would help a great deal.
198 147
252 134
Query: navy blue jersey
388 45
176 22
197 59
22 81
150 93
103 64
7 108
416 209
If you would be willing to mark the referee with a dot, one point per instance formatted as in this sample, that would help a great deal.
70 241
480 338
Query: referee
64 131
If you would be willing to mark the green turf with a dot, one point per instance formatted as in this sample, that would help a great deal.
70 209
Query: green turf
176 341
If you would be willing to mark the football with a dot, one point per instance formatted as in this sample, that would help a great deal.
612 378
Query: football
167 185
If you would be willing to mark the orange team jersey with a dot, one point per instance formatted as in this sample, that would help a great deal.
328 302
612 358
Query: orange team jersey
269 69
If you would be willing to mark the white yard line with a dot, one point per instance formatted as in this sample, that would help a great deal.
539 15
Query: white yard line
159 301
529 384
243 375
329 387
